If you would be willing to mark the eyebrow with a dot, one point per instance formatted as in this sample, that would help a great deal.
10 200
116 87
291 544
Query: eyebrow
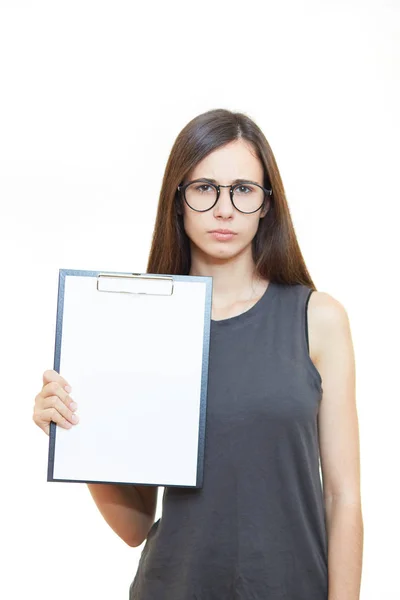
233 182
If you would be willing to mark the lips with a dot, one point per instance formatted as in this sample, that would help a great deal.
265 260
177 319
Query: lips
222 237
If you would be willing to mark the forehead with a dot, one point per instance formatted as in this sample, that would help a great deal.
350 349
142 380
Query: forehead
232 161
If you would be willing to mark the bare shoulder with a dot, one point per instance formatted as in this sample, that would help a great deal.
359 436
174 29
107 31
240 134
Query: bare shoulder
326 314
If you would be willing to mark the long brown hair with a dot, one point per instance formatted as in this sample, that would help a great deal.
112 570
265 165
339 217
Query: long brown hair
276 252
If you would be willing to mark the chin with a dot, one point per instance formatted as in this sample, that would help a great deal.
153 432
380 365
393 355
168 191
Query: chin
218 250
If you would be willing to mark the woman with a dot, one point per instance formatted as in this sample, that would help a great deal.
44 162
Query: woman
281 395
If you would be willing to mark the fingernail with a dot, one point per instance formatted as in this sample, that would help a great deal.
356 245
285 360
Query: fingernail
73 406
68 389
75 418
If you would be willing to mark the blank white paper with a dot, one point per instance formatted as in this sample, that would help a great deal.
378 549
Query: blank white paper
135 363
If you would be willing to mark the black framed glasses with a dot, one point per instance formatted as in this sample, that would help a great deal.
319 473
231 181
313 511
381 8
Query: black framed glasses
202 195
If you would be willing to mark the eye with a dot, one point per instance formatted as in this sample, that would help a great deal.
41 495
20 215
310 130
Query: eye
244 189
204 187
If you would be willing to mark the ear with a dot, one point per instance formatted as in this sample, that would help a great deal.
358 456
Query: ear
265 209
178 203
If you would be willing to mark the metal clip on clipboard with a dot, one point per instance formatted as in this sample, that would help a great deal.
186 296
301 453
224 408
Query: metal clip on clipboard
132 283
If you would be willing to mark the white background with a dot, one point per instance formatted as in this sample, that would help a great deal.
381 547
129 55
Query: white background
93 95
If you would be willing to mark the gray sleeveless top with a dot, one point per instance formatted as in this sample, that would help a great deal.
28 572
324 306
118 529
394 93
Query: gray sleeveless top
256 529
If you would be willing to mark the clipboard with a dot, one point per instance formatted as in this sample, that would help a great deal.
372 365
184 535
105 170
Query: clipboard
135 349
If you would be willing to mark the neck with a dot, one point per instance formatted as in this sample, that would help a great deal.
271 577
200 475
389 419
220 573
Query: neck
233 280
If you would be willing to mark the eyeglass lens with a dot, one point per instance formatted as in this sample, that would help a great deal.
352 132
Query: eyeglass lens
246 197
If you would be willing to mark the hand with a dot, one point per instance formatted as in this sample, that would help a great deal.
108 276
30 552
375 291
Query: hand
54 403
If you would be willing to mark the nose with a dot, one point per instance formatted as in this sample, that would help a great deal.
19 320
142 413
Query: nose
224 206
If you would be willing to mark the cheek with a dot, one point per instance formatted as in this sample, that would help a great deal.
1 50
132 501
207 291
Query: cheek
250 227
194 224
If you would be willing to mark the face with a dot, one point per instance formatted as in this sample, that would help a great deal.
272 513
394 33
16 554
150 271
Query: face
233 161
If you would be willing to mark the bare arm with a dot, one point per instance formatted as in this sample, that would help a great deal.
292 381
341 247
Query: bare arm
345 548
339 447
129 510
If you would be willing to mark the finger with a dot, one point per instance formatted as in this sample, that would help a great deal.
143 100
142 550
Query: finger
44 418
51 375
54 389
50 402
